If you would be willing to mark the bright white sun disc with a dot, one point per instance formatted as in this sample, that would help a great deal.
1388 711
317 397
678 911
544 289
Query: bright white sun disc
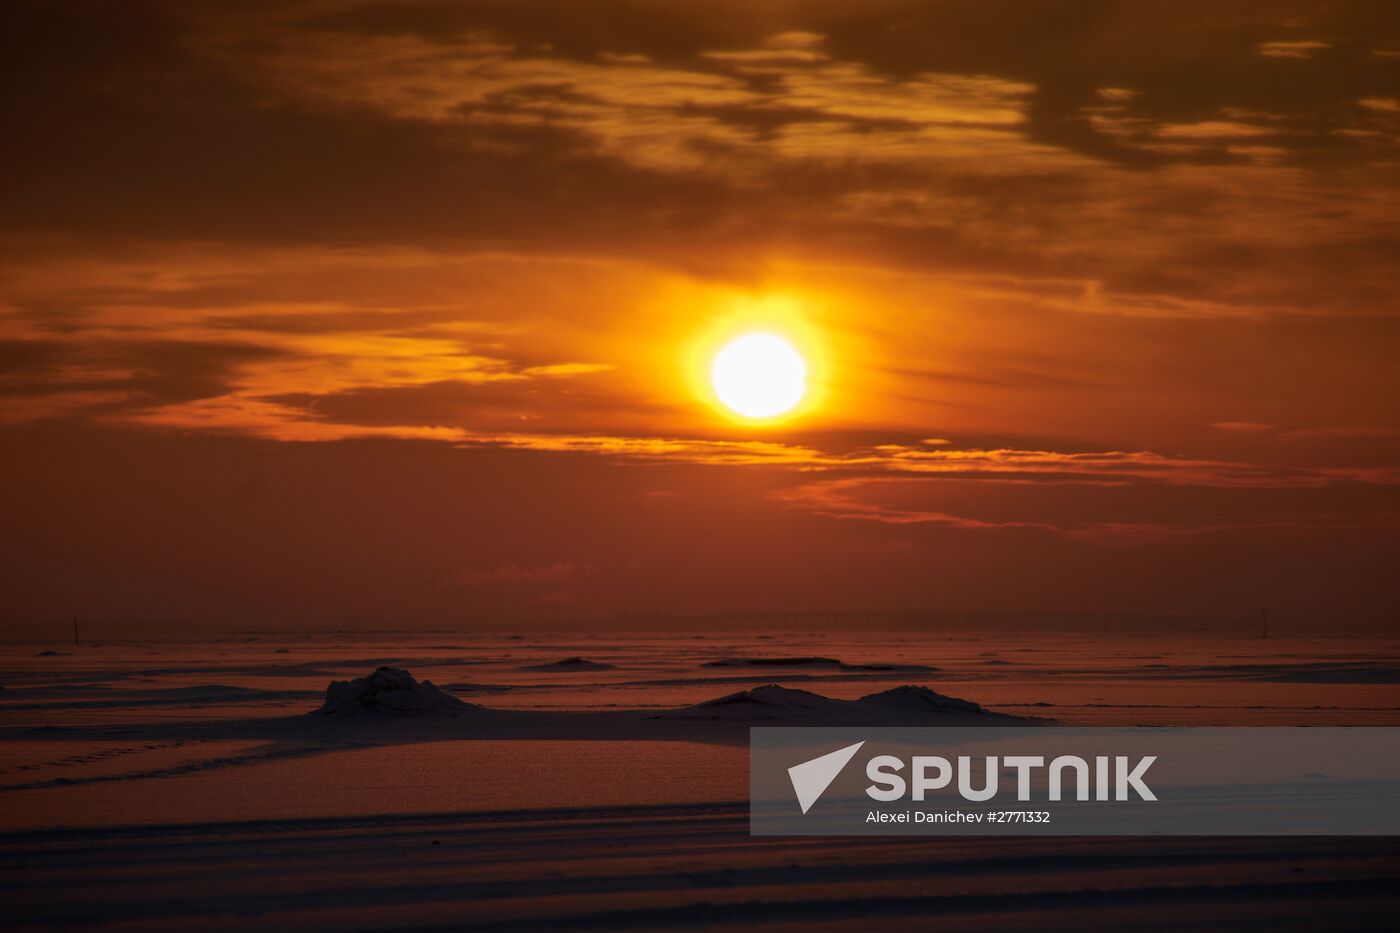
759 376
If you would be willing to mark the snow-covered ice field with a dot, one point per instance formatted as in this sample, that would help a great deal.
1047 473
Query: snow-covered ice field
591 781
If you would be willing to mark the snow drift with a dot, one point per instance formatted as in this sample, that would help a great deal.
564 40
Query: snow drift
774 703
390 690
570 664
913 699
761 704
820 663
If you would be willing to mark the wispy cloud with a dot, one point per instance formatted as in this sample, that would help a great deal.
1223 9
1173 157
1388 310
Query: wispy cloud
1295 48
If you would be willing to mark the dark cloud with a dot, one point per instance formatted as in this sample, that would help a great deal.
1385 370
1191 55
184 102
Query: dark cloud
115 376
1183 60
177 129
526 405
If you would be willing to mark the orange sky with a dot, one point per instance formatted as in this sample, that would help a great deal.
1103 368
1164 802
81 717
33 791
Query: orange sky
323 309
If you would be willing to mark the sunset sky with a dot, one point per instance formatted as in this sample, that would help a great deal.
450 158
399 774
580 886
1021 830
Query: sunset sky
321 312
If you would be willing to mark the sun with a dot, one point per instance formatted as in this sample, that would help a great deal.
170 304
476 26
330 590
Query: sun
759 376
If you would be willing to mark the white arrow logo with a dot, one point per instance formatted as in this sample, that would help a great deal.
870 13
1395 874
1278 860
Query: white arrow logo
811 778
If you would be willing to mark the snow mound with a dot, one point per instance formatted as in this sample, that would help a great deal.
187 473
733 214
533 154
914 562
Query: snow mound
774 662
389 690
212 691
912 699
772 703
767 703
571 664
819 663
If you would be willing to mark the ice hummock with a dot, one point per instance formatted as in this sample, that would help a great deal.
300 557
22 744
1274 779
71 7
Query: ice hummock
914 699
571 664
390 690
769 702
774 703
819 663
